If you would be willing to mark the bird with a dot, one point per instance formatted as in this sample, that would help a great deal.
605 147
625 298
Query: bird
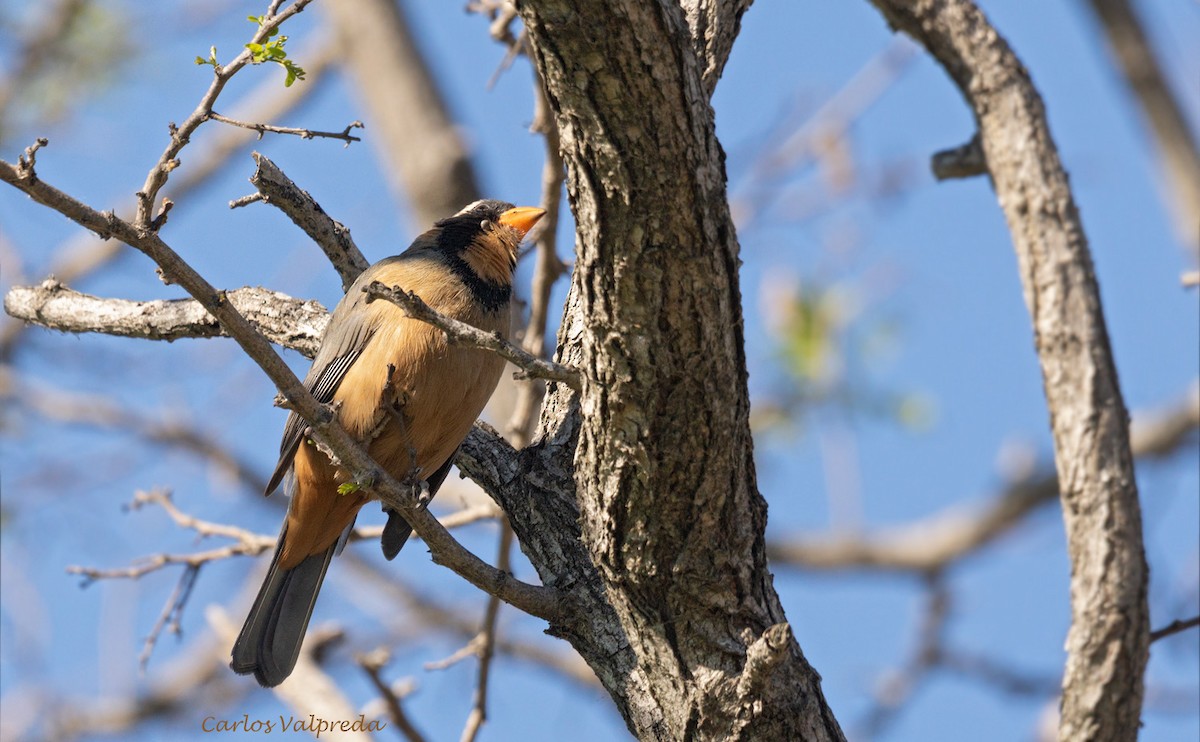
401 389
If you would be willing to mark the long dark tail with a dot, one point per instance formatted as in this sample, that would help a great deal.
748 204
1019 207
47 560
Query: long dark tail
270 641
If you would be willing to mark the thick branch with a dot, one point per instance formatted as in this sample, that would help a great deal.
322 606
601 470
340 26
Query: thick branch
1108 642
289 322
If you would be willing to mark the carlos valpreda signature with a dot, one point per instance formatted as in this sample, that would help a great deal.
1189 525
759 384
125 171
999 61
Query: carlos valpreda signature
311 724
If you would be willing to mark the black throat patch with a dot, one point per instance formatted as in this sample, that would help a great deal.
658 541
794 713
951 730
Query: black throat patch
491 296
455 237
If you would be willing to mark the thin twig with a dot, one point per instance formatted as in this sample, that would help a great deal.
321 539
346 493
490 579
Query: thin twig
754 194
487 644
238 203
1175 627
470 649
464 334
546 272
407 613
262 129
247 543
900 684
373 663
171 614
84 254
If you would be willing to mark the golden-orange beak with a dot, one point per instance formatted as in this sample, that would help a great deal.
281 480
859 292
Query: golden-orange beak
522 218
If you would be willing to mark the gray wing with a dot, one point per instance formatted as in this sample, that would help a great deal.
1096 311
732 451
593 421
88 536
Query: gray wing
345 338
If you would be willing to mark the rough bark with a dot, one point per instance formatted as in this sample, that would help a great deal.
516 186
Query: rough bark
1108 641
664 476
289 322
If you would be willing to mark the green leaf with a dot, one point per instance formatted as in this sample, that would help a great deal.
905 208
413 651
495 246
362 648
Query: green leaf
212 59
348 488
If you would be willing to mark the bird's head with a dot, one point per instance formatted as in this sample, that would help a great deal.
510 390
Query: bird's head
485 234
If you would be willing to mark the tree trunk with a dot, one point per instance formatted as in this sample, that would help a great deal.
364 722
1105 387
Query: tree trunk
664 475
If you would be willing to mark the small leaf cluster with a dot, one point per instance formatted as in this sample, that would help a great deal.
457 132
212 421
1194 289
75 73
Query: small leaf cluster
212 59
272 50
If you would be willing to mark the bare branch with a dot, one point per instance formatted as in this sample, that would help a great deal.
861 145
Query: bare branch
199 678
262 129
456 519
373 663
899 685
548 269
423 611
807 143
487 642
252 198
463 334
289 322
1107 646
171 614
85 253
245 543
265 102
330 235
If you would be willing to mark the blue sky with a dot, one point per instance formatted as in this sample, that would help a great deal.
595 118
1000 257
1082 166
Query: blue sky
934 260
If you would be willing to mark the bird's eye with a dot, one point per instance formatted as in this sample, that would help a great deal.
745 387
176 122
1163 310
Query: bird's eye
486 225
